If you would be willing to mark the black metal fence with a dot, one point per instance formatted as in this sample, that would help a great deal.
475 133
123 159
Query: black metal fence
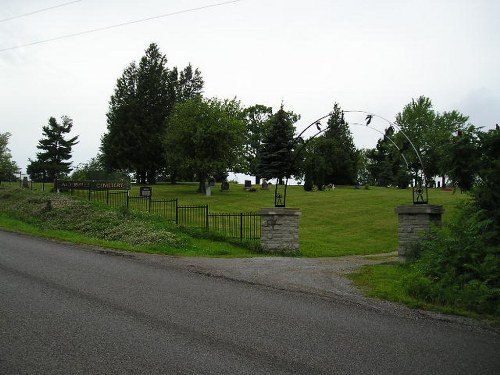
242 226
192 216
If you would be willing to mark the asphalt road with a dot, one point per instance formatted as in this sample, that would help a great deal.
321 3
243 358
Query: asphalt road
72 310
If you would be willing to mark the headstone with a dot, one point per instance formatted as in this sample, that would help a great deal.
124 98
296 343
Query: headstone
25 183
224 186
146 191
211 182
248 184
208 192
265 185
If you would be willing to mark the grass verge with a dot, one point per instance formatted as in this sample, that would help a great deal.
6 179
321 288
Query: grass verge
61 217
387 281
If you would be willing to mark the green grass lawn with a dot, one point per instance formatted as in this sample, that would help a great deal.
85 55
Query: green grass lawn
342 221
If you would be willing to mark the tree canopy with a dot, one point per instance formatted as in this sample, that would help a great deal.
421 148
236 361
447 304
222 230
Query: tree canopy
206 136
431 133
144 98
257 128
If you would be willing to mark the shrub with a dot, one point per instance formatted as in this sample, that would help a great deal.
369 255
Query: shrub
459 265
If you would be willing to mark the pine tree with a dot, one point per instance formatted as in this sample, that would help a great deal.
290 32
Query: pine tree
52 162
278 146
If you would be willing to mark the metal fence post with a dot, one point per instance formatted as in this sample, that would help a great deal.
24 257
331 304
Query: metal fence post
206 216
177 211
241 226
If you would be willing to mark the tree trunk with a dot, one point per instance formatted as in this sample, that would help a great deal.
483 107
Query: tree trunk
151 177
202 188
173 178
142 177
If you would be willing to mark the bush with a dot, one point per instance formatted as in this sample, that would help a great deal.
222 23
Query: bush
459 265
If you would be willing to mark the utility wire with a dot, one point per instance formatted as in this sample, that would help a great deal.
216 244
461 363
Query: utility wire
121 25
39 11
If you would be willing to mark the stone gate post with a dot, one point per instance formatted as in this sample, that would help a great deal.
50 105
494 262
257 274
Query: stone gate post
415 221
280 230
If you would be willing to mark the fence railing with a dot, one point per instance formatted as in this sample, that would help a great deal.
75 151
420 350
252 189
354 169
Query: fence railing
192 216
245 226
242 226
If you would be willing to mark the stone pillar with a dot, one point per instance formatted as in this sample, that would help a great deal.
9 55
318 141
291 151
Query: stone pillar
280 230
414 222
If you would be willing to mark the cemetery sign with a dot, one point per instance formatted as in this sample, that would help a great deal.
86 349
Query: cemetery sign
93 185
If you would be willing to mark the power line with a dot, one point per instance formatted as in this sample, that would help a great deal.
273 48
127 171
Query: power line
120 25
39 11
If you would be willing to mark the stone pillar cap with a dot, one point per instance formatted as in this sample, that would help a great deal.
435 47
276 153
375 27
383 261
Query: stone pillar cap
420 209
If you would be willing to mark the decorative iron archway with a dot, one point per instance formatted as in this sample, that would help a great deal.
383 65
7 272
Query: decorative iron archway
419 186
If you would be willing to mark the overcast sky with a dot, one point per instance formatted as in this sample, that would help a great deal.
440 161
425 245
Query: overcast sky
366 55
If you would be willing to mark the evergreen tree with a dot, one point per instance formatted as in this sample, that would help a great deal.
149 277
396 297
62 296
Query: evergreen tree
52 162
387 166
337 147
463 158
332 157
143 100
275 159
189 84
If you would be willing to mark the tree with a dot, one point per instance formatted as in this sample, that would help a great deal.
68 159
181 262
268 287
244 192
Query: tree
95 169
463 158
278 145
189 84
52 161
332 158
338 150
143 100
430 132
7 166
257 127
387 165
206 136
487 193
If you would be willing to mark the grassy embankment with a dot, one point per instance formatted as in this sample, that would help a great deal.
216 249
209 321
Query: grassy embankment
340 222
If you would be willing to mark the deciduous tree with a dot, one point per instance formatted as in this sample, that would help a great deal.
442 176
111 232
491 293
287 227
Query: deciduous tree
206 136
7 166
257 127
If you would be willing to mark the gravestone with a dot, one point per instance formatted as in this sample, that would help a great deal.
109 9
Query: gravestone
25 183
248 184
265 185
224 186
146 191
